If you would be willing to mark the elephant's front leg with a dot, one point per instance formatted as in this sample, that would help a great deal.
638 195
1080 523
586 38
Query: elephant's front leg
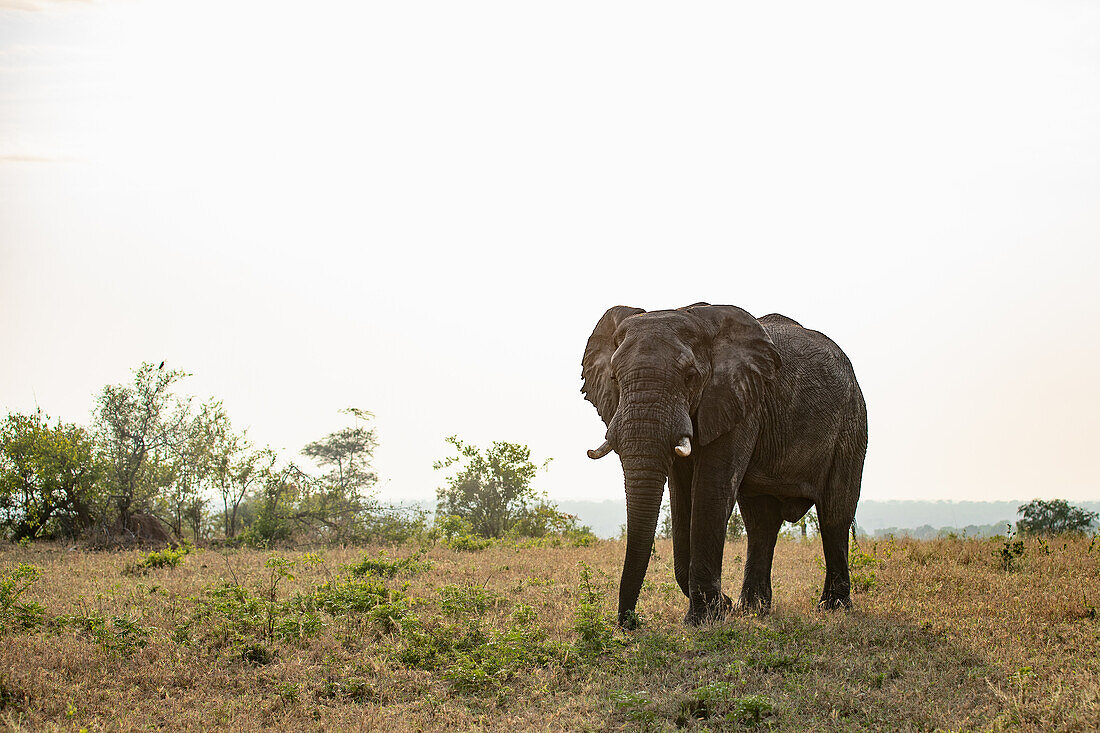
717 475
679 495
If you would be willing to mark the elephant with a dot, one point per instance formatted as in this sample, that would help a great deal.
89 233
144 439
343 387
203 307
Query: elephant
726 408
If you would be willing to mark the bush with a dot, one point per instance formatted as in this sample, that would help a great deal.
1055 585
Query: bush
13 612
384 568
458 534
394 525
169 557
122 636
595 631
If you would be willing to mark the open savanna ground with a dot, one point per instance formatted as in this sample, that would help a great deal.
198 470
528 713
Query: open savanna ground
513 637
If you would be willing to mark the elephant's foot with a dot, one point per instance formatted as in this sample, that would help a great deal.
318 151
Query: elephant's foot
708 611
754 603
628 620
834 603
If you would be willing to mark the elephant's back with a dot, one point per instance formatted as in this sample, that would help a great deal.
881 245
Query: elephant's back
815 368
804 345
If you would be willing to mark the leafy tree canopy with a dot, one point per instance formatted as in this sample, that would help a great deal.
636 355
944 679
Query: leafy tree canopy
347 454
1053 517
48 477
492 488
134 422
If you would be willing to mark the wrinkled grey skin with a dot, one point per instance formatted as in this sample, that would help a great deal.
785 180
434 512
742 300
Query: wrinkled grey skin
776 422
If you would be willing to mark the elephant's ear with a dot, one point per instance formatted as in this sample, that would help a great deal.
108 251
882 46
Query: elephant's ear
599 389
743 361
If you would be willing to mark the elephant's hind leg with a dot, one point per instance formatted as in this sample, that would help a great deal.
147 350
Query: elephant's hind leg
763 517
837 593
836 515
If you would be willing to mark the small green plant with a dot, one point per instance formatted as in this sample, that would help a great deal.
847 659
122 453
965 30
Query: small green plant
1010 552
15 613
257 654
169 557
475 658
1090 610
752 709
595 632
635 706
280 568
288 692
862 567
704 702
231 615
122 636
467 602
343 597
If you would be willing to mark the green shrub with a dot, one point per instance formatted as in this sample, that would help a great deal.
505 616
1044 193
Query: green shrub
15 613
343 597
122 636
752 709
169 557
1010 552
595 632
467 602
257 654
473 659
635 706
389 568
862 568
458 534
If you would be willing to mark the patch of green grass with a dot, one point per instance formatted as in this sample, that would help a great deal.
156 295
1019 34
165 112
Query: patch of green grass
385 568
169 557
121 636
635 706
257 654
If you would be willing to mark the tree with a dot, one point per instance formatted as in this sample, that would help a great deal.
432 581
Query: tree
1053 517
184 471
134 422
347 454
237 469
334 505
735 527
492 489
48 477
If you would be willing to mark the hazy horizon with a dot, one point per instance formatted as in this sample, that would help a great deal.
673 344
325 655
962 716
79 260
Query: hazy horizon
423 211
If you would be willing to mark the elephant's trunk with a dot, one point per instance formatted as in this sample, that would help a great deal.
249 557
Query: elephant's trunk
644 490
644 433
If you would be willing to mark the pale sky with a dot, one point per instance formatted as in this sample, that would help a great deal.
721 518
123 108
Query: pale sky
423 208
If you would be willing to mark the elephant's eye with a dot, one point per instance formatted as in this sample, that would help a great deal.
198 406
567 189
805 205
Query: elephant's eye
690 376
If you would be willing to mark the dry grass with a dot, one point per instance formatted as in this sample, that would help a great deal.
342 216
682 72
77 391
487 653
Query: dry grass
941 637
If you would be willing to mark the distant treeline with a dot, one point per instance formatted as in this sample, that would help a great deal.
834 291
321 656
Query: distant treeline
918 519
157 466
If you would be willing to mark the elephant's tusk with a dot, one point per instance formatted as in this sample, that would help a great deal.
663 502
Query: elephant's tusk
600 452
683 448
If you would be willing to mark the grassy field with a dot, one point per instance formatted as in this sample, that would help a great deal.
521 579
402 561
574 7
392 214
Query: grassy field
942 636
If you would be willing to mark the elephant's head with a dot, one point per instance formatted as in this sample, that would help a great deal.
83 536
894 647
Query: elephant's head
665 383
